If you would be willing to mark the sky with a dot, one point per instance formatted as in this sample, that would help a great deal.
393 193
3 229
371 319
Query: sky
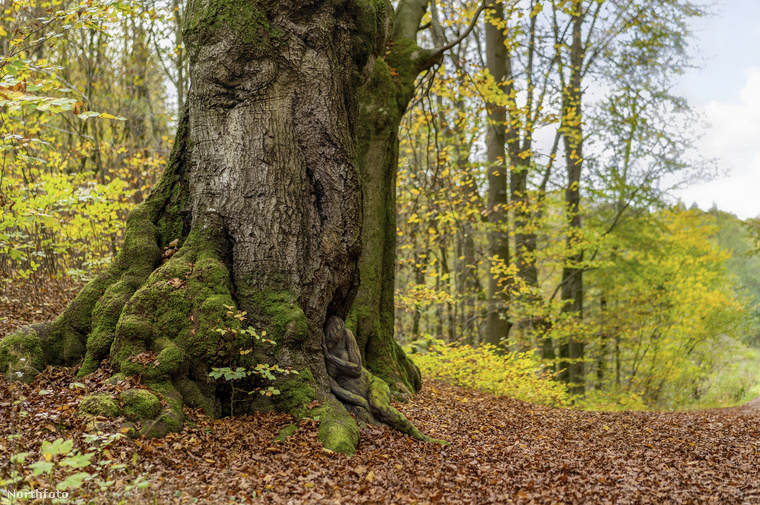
726 90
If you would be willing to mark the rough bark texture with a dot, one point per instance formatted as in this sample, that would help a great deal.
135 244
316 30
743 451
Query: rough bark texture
571 353
383 101
259 210
497 321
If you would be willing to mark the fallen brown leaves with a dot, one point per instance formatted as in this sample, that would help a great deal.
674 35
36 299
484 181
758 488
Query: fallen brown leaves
37 301
502 451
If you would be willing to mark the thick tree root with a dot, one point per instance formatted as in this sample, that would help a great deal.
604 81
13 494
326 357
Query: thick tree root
258 212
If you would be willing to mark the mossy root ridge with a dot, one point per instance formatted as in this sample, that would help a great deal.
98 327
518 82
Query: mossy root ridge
166 311
86 328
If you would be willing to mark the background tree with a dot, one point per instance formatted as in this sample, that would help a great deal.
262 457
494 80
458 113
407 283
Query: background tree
383 101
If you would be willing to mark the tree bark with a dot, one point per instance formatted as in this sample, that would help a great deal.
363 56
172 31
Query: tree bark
383 101
571 352
259 213
497 322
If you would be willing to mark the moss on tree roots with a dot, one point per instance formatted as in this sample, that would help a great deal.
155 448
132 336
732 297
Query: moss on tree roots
164 311
169 324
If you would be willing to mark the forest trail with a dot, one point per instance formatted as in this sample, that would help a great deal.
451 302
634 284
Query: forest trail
751 406
501 451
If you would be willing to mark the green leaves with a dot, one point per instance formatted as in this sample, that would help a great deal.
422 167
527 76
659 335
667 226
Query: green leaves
41 467
229 374
78 460
59 446
261 369
73 481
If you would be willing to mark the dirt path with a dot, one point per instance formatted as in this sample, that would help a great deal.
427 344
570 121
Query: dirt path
751 406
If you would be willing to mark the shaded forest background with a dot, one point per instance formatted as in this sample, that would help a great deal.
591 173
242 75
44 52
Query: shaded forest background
557 270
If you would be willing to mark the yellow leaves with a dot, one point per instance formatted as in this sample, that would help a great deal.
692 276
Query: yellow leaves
101 115
517 375
418 296
84 217
537 9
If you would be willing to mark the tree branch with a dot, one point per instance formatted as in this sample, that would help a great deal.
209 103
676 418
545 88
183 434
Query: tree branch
438 51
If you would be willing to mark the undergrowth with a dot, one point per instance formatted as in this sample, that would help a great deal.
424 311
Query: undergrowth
515 374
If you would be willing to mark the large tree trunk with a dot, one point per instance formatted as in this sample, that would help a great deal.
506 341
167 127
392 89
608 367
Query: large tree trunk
259 210
383 101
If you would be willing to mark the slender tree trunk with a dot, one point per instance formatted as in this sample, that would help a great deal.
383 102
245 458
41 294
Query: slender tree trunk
497 322
451 316
419 279
571 352
466 278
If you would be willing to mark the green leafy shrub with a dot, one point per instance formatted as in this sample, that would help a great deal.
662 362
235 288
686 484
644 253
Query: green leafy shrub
517 374
235 375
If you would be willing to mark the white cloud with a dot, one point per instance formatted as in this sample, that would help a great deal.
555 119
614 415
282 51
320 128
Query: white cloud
734 138
735 127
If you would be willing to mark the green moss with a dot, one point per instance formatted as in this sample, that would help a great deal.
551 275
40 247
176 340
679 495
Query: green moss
171 418
99 405
168 202
73 346
105 315
370 23
337 430
87 327
21 355
203 342
279 313
67 338
193 397
89 365
406 57
286 432
387 360
246 19
116 378
133 334
140 254
171 361
296 392
139 404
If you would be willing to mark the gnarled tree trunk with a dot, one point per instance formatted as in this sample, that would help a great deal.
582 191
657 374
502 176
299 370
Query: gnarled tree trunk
259 211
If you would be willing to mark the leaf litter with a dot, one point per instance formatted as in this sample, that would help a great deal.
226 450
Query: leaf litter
501 451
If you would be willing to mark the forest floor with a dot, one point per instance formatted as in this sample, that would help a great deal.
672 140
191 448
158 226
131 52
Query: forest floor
501 450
